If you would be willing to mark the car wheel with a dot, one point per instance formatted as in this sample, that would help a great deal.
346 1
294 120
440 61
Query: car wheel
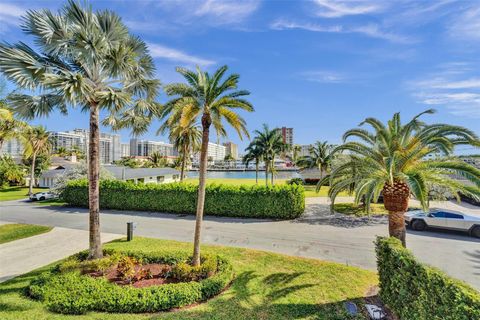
41 198
419 225
476 232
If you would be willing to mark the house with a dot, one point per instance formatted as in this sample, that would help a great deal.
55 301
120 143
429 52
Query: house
136 175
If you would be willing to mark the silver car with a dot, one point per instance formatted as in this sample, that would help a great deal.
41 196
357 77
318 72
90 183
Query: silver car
419 220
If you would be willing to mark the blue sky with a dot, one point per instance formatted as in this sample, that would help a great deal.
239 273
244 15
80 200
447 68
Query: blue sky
317 66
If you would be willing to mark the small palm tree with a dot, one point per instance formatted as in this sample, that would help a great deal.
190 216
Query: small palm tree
10 127
213 100
270 144
62 151
320 157
295 149
87 59
392 160
253 154
185 138
156 160
36 140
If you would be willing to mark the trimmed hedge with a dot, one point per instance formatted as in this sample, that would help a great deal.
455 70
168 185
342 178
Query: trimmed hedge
417 291
275 202
73 293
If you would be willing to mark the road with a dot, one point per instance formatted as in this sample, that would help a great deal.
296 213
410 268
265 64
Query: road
316 234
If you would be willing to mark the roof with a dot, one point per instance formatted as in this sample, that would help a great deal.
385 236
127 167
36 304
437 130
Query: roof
126 173
53 173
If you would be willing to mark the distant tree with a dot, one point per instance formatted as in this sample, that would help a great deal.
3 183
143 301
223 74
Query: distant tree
320 157
87 59
128 162
228 158
296 149
156 160
76 172
253 153
36 141
42 163
62 151
270 144
211 100
10 172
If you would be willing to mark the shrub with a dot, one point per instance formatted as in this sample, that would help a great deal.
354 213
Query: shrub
417 291
126 268
275 202
183 271
74 293
298 181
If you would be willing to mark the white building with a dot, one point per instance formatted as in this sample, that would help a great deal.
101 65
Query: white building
110 146
13 148
287 135
125 149
216 152
231 149
145 148
304 150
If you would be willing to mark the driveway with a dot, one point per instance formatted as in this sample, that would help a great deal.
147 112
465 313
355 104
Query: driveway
316 234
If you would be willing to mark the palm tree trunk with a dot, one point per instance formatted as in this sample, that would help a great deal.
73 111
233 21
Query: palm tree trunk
184 160
206 121
256 172
396 226
95 250
271 169
395 200
266 172
32 174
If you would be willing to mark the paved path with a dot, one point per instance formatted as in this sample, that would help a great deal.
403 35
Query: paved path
24 255
316 234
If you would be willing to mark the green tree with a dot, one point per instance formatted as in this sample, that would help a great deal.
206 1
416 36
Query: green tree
128 162
270 144
10 172
62 152
253 153
36 141
296 149
185 138
391 159
156 160
88 59
214 101
320 157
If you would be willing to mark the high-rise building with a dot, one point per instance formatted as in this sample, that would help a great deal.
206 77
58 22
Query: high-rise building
13 148
125 149
231 149
304 150
145 148
110 146
216 152
287 135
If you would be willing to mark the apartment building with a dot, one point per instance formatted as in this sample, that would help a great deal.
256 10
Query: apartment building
216 152
144 148
231 149
287 135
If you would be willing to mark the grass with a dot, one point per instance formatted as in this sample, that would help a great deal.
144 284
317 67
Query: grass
267 286
11 232
51 202
309 190
16 193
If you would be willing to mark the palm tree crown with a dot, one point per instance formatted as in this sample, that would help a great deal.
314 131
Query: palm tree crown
320 157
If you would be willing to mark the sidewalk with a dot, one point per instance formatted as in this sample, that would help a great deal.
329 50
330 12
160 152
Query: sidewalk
24 255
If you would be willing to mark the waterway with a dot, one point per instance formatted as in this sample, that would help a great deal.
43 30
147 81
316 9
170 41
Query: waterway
244 174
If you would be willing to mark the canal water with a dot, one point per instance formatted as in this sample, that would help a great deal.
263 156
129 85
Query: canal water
244 174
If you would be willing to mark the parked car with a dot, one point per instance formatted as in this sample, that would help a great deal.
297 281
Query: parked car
419 220
43 196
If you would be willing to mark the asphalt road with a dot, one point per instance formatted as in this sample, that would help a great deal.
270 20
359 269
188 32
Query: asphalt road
317 234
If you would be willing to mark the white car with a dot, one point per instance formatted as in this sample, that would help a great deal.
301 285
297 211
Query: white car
43 196
443 219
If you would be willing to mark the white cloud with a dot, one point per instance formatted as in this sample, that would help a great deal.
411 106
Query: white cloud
467 24
324 76
160 51
10 14
370 30
340 8
227 11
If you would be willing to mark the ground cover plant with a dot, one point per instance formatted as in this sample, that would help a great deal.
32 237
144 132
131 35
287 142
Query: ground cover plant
15 231
266 286
275 202
16 193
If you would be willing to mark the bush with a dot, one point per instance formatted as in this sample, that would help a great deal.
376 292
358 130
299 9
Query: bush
74 293
417 291
184 271
298 181
275 202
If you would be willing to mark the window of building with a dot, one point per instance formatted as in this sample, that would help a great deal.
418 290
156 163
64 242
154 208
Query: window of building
160 179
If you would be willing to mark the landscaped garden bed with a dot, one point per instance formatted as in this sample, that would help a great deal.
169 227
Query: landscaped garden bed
266 286
130 282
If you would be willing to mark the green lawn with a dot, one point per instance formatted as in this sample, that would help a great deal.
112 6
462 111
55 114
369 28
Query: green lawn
11 232
309 190
16 193
267 286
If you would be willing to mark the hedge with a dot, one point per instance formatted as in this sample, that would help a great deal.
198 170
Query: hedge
73 293
416 291
275 202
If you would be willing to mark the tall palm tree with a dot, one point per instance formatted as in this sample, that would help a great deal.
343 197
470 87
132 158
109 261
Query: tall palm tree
88 59
320 157
213 100
253 154
186 138
391 160
36 140
270 143
296 149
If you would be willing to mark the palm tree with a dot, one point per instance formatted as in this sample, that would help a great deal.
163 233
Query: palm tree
186 138
156 160
270 144
9 126
213 100
296 149
253 154
36 140
320 157
88 59
392 160
62 151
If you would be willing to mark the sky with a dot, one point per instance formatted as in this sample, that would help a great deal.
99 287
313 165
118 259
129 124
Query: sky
319 66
